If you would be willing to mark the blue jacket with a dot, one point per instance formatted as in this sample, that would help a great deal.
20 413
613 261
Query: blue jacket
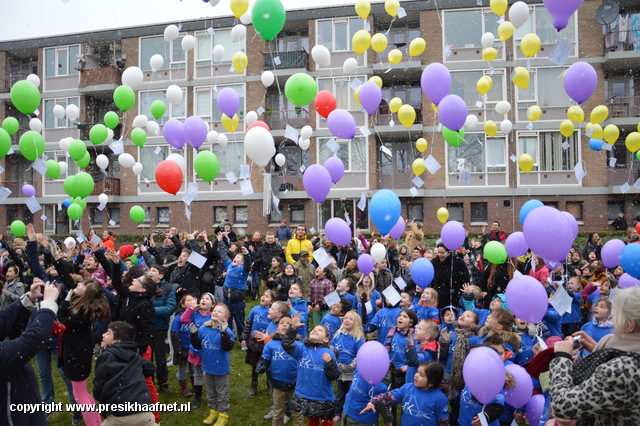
283 367
236 275
552 320
443 325
332 323
574 316
300 306
196 318
163 306
183 332
359 396
526 350
427 312
346 347
396 352
383 321
421 407
596 331
470 407
215 349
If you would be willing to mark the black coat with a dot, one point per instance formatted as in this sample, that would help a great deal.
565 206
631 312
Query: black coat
77 345
282 284
449 275
262 259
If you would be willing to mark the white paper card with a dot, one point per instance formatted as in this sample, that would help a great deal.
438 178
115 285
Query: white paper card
33 204
322 258
211 31
439 127
157 151
187 212
565 145
43 218
561 52
245 171
231 177
355 83
479 104
625 188
1 169
413 191
347 219
589 131
40 166
59 206
513 158
260 111
191 193
392 123
369 307
530 125
333 145
312 230
432 164
447 51
636 184
561 301
332 298
401 12
302 168
400 282
291 133
4 193
612 161
112 222
246 187
101 206
580 172
117 147
276 203
386 151
465 176
417 181
392 295
516 273
95 239
542 343
277 60
607 147
365 131
196 259
362 204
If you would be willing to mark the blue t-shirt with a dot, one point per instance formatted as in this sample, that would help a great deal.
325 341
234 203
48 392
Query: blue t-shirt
183 332
470 407
236 276
312 383
346 347
526 350
396 352
332 323
299 306
384 320
271 327
574 316
423 356
427 312
596 332
359 306
258 319
198 319
421 407
215 360
358 397
350 297
283 366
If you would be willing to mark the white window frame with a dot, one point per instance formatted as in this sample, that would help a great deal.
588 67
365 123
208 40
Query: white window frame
152 144
59 101
72 63
487 163
169 61
533 73
208 116
487 105
534 29
346 144
533 178
333 31
483 11
170 108
229 50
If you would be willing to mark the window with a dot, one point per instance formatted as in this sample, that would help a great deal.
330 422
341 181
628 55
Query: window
206 100
172 111
352 153
614 208
233 156
50 120
411 95
575 208
341 88
545 89
547 151
478 154
553 204
49 223
240 214
62 61
147 216
540 22
276 214
163 215
479 213
297 214
456 211
150 159
219 214
171 51
636 209
475 23
206 42
12 214
463 84
336 34
96 216
340 208
415 212
114 215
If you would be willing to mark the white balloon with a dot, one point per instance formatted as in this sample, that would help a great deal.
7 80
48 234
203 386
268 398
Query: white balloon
471 122
321 55
156 62
137 169
503 107
72 112
306 132
238 33
246 18
250 117
102 161
109 135
378 252
280 160
64 167
180 161
103 198
208 126
518 14
267 78
132 77
188 42
259 145
70 242
350 65
506 126
171 33
487 40
218 53
304 144
33 78
141 120
174 94
212 136
58 111
153 128
126 160
223 140
35 124
64 144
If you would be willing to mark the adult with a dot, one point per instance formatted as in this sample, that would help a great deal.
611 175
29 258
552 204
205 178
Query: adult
414 235
594 244
264 255
283 233
108 241
632 236
304 270
171 245
494 235
610 374
164 304
620 223
382 276
450 273
299 243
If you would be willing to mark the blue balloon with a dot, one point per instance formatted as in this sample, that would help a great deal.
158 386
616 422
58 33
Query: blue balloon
596 144
630 259
67 202
527 207
422 272
384 210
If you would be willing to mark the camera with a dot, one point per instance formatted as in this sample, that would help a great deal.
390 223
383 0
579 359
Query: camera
577 342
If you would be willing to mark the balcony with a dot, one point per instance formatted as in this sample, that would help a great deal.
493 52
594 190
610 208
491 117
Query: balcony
99 79
278 120
394 178
15 187
8 80
288 60
624 106
286 181
621 49
384 116
109 186
621 174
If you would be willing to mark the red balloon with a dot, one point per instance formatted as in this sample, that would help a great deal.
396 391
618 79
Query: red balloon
325 103
258 123
638 227
169 176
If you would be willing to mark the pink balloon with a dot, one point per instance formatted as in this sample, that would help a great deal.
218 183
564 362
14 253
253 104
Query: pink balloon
195 131
317 182
173 132
398 229
521 393
516 245
370 97
373 362
453 235
335 166
28 190
527 298
365 263
483 372
338 231
452 112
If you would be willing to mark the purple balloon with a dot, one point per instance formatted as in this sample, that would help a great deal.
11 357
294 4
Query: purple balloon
534 409
516 245
436 82
365 263
527 298
580 81
341 124
173 132
453 234
452 112
370 97
521 393
195 131
373 362
398 229
28 190
573 223
335 166
561 11
483 372
317 182
626 281
228 101
338 231
547 233
611 253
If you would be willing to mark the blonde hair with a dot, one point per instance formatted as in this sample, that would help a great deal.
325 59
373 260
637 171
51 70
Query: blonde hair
357 332
360 286
434 295
626 308
432 328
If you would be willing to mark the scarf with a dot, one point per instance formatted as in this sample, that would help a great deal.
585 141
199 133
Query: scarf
460 352
608 323
392 333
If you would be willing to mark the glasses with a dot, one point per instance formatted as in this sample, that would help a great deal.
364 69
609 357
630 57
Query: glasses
141 282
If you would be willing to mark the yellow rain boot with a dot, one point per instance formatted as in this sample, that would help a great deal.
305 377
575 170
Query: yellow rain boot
213 416
223 419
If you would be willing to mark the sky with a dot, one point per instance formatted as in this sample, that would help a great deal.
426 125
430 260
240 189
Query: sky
25 19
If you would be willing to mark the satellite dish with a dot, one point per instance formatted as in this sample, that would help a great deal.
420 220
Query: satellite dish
607 12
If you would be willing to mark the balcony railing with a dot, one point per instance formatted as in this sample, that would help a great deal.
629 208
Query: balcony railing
286 181
384 116
278 120
288 60
15 186
100 76
109 186
622 41
8 80
624 106
394 178
622 173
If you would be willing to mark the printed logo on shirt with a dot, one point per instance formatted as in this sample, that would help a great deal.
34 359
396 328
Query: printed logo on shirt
308 363
410 406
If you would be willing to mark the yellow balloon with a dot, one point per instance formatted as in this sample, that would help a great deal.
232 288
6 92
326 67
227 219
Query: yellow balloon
379 42
638 127
596 131
394 56
521 77
434 107
442 214
239 7
377 80
417 46
567 128
499 7
489 54
490 128
633 141
356 95
363 8
525 161
421 144
530 45
575 114
505 31
407 115
599 114
534 113
231 124
361 41
611 133
484 84
239 62
418 166
395 104
391 6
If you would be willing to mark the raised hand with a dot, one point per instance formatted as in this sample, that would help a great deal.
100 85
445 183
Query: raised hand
31 232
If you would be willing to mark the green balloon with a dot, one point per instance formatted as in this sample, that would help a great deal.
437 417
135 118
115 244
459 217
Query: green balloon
268 17
69 186
82 202
452 137
206 165
74 211
301 89
495 252
83 184
98 134
137 214
77 149
11 125
5 142
124 98
158 109
637 155
53 169
111 120
18 228
25 96
32 145
84 161
139 137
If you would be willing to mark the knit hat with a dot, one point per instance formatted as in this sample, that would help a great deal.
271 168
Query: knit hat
126 251
133 259
503 298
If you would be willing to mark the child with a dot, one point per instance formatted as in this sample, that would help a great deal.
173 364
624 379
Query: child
346 343
448 317
283 282
601 322
344 289
499 301
385 319
501 322
180 339
333 320
527 333
215 339
366 298
571 321
120 375
323 284
258 320
427 308
397 342
422 401
298 305
406 299
357 399
313 396
426 333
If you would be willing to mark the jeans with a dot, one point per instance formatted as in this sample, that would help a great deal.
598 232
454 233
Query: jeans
343 388
160 354
237 315
43 361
